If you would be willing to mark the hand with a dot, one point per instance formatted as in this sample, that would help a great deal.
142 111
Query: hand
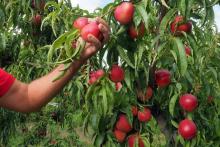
94 45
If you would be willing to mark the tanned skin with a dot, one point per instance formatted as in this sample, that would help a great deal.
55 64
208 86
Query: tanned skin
30 97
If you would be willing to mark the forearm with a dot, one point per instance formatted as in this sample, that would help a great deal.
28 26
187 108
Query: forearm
42 90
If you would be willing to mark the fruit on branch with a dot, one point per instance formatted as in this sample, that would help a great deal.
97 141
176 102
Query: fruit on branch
95 75
80 22
134 110
145 96
116 74
144 115
119 135
91 28
118 86
179 25
92 80
149 93
188 102
187 129
132 139
136 32
99 73
162 78
187 50
123 124
37 20
124 12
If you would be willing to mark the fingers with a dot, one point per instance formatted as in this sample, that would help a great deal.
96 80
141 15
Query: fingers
99 20
94 41
105 32
104 28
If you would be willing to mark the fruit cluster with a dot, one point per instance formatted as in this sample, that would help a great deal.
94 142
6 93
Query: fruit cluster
116 75
123 127
187 128
123 13
87 28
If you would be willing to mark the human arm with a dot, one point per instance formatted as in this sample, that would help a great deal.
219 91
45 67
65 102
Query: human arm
23 97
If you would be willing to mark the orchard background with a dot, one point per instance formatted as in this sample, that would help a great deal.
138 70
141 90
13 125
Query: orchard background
37 35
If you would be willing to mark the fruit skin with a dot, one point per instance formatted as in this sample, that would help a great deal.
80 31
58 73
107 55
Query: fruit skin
188 51
188 102
95 75
134 33
80 22
132 139
145 115
162 78
37 20
187 129
99 73
116 74
118 86
145 97
91 28
124 12
123 124
134 110
92 80
119 135
149 93
178 25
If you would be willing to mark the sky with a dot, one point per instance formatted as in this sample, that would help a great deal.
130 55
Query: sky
90 5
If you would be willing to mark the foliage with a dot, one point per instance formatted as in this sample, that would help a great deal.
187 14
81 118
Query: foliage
29 51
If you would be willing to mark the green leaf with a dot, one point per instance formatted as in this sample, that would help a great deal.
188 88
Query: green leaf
2 17
99 139
210 16
124 56
205 12
141 10
128 79
58 43
2 41
172 104
166 19
189 5
193 142
175 124
68 43
104 101
182 6
146 142
164 3
174 55
182 56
